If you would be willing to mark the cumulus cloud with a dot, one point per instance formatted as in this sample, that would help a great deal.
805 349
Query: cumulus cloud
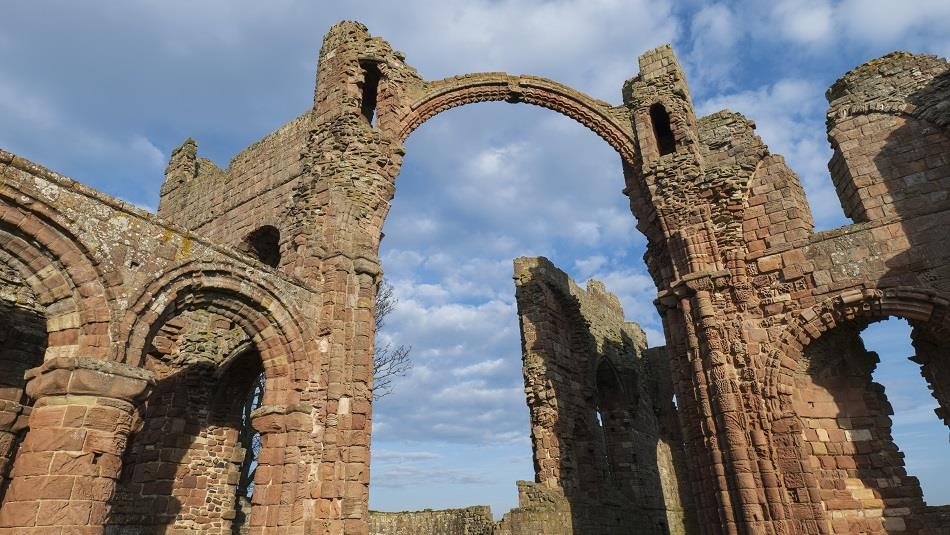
715 30
396 456
483 367
807 22
586 266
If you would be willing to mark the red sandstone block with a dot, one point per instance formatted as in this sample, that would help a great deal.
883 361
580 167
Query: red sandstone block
47 416
40 488
106 418
18 514
54 439
97 489
32 464
63 513
72 463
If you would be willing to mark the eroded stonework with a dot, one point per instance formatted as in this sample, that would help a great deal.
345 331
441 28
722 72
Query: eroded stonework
603 425
124 335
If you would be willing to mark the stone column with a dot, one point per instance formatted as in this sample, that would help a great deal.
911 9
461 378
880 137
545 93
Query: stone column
13 418
284 471
67 466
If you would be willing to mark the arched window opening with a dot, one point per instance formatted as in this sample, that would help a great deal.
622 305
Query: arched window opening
23 341
250 440
371 78
662 131
602 438
264 244
195 422
240 392
916 428
854 404
612 411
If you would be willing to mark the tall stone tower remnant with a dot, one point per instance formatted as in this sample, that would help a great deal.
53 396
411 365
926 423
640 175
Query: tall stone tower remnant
125 336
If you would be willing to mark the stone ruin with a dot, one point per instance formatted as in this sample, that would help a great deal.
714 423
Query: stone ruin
126 338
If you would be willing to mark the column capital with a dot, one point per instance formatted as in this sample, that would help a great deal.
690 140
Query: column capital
84 376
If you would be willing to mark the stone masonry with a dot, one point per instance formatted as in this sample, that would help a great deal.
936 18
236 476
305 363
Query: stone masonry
469 521
605 436
125 336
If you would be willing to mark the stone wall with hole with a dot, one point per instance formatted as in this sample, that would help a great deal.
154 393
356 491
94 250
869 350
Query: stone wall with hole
604 431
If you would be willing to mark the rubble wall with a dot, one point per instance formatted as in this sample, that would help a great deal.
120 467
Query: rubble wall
468 521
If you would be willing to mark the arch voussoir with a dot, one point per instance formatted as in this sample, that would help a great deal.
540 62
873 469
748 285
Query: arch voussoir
225 290
54 264
598 116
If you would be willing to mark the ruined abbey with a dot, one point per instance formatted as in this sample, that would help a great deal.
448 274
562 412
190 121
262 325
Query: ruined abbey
130 340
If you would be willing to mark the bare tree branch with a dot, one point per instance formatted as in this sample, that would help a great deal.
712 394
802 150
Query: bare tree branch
389 362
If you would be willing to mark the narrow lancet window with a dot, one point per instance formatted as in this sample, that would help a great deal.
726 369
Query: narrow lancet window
371 77
665 140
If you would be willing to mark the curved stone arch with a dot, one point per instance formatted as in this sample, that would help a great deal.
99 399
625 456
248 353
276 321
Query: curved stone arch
780 422
927 307
226 290
598 116
64 278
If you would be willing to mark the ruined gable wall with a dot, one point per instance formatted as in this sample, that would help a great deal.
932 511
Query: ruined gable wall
256 189
597 438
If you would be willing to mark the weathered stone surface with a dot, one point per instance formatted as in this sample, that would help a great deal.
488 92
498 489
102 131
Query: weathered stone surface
469 521
276 257
603 425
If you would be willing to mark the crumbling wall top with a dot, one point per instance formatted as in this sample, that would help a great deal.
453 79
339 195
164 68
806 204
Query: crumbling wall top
900 82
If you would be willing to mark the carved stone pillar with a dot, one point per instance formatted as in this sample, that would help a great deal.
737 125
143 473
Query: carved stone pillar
13 418
67 466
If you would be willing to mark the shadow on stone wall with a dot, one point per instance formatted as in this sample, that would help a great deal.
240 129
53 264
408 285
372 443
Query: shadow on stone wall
892 171
181 468
22 347
914 167
607 431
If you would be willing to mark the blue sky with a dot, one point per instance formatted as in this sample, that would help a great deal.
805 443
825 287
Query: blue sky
102 91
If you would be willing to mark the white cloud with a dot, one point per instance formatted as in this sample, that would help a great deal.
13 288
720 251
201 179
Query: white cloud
715 30
880 22
480 368
806 22
402 476
402 456
586 266
655 337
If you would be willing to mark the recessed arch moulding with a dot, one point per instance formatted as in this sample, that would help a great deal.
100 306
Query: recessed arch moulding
744 283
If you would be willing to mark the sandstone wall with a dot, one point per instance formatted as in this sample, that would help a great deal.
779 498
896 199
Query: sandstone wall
469 521
603 424
94 294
